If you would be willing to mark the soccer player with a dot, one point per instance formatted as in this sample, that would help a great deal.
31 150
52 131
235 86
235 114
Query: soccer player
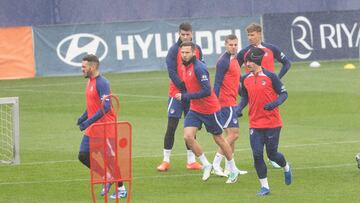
254 33
177 108
97 88
226 88
264 92
204 108
272 52
357 157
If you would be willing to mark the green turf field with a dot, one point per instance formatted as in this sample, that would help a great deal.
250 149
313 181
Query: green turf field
320 137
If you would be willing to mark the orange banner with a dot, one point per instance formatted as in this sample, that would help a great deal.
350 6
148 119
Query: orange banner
16 53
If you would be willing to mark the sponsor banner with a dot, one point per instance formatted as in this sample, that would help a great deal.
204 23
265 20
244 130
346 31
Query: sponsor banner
128 46
16 53
315 36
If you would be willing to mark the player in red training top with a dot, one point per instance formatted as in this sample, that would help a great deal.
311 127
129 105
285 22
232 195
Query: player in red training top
226 88
177 108
97 88
264 92
272 52
204 108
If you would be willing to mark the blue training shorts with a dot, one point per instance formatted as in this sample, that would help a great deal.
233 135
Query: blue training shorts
176 108
229 118
264 136
211 121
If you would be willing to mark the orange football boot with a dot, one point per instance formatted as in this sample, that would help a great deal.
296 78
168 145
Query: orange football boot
164 166
194 166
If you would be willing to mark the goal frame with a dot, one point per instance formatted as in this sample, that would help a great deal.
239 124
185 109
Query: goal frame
14 101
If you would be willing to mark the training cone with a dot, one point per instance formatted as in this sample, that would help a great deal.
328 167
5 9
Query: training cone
349 66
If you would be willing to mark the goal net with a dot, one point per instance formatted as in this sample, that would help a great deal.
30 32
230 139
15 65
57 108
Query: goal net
9 130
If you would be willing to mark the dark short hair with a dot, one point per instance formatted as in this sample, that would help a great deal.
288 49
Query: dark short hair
253 27
230 37
188 43
255 55
185 26
91 58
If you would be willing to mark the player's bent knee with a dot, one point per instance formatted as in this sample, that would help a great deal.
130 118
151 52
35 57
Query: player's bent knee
272 154
234 137
189 138
219 139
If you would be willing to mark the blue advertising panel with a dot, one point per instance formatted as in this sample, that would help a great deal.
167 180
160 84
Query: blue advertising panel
315 36
128 46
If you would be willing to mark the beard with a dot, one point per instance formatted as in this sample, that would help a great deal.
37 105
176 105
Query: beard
86 74
186 63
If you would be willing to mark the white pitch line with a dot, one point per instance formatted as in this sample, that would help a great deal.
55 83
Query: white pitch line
32 106
48 162
248 148
83 93
144 79
43 181
42 91
142 96
182 154
165 176
317 144
326 166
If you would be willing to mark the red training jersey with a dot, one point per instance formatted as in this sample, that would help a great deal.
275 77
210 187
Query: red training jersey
96 89
227 80
174 64
260 91
202 97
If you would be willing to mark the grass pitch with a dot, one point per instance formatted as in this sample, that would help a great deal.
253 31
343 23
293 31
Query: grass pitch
320 138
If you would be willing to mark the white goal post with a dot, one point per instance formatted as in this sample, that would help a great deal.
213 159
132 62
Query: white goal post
9 130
